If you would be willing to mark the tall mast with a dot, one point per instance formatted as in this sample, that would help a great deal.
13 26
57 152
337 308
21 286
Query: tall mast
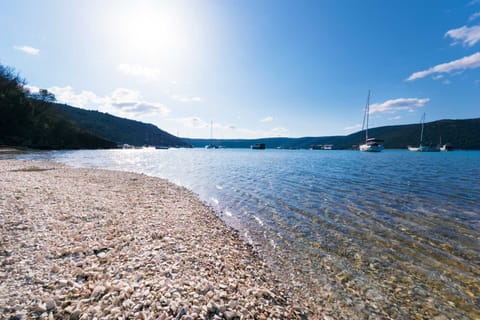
211 131
365 116
421 133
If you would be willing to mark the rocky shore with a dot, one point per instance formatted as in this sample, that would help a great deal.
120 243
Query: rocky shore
96 244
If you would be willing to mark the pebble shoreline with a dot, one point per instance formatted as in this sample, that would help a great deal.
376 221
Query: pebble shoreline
98 244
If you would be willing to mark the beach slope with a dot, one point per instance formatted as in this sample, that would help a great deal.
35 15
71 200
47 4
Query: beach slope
84 244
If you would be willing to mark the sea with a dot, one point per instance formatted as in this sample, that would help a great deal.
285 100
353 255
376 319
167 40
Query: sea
390 235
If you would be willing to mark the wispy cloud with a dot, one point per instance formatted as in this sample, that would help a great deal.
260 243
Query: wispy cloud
28 50
394 105
267 119
466 35
469 62
395 118
186 99
121 102
354 127
474 16
130 102
223 130
139 71
192 122
279 131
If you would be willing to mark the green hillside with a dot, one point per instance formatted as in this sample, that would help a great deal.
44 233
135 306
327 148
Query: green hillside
31 121
461 134
36 121
119 130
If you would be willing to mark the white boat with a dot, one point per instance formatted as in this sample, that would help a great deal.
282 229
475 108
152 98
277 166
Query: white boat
446 147
211 145
371 144
421 147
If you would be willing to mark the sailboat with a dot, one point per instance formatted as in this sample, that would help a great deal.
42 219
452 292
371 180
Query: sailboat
211 145
371 144
421 147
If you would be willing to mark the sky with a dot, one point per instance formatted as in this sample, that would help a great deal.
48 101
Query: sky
251 68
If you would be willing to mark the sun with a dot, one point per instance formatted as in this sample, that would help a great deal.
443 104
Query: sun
152 31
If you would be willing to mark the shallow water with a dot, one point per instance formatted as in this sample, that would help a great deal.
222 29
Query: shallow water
361 235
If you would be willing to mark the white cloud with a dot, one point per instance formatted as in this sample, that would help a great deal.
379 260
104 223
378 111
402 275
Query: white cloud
122 102
279 131
395 118
267 119
186 99
129 101
466 35
31 89
394 105
192 122
474 16
139 71
201 128
354 127
27 50
469 62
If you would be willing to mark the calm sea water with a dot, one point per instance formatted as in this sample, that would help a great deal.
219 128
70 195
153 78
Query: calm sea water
393 235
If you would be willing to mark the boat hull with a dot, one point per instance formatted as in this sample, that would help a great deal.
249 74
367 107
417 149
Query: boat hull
371 148
422 149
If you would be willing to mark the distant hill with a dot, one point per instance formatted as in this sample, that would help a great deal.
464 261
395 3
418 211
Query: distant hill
284 143
461 134
119 130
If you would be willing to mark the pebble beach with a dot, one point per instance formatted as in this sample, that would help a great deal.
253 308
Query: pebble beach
97 244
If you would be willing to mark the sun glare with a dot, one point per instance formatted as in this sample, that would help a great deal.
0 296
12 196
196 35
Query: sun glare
151 32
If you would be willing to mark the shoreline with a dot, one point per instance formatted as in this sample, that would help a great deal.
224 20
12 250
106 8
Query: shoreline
83 243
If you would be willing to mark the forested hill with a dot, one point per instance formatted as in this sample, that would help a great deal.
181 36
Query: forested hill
34 120
30 120
119 130
460 134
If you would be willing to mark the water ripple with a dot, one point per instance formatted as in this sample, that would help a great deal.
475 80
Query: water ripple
390 235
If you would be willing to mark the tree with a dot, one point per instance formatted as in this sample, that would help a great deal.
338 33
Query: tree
43 95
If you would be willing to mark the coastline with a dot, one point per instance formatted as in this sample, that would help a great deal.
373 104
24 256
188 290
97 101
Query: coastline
85 243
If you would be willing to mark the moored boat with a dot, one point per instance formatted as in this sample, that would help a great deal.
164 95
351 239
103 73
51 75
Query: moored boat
421 147
258 146
371 144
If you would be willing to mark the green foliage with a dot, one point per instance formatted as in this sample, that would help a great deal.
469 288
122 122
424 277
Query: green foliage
30 120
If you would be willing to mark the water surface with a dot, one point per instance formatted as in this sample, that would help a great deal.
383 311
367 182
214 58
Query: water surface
362 235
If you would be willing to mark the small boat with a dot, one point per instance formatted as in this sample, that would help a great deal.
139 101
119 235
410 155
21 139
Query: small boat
258 146
446 147
421 147
211 145
371 144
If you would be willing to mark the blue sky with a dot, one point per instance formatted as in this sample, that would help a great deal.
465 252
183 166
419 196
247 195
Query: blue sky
254 68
